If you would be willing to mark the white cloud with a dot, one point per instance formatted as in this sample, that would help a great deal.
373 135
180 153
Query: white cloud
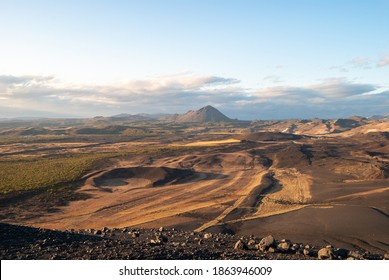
341 88
361 62
179 93
273 79
383 62
329 89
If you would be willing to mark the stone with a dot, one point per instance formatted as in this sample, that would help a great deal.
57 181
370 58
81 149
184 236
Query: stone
162 237
355 255
240 245
386 256
266 242
155 242
271 250
161 229
283 246
251 242
341 253
135 234
306 252
207 235
98 232
325 254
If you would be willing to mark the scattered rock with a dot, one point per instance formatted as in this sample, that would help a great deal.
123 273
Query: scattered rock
18 242
207 235
251 242
271 250
325 253
161 229
355 255
341 253
155 242
266 242
162 237
240 245
284 246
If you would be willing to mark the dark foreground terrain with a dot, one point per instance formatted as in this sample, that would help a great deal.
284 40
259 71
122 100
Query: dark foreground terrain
20 242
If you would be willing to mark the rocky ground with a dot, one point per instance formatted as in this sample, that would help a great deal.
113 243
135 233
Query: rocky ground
20 242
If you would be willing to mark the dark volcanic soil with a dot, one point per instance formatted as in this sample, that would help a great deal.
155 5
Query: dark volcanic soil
20 242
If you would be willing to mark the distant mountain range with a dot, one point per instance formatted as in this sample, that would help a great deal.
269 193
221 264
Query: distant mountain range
380 117
211 114
205 114
202 115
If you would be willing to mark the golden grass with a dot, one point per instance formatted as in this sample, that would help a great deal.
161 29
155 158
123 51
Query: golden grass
294 193
211 143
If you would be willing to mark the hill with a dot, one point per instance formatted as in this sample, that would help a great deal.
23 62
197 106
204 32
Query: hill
205 114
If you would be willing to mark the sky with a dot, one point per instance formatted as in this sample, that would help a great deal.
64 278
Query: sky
262 59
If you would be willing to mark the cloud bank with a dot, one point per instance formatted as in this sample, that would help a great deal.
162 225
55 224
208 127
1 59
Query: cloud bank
45 96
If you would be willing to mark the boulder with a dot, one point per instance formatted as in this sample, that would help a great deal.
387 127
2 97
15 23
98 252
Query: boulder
325 253
266 242
341 253
284 246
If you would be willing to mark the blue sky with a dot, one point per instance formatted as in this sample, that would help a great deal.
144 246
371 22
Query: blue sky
251 59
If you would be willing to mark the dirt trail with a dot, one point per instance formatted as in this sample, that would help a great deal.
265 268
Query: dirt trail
242 196
359 194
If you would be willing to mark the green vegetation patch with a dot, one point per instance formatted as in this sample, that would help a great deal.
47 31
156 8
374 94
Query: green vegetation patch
35 173
29 173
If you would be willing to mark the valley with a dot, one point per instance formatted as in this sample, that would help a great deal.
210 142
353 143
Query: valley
312 181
